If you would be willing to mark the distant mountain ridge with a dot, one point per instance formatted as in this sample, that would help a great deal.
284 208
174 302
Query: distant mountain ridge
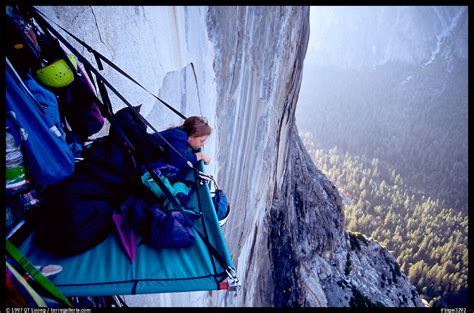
352 38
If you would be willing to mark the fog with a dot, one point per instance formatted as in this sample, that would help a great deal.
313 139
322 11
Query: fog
384 98
391 83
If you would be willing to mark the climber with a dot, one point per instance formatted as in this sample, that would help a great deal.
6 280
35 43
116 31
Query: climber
187 139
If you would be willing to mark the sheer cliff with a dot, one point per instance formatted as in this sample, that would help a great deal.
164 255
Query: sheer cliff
242 68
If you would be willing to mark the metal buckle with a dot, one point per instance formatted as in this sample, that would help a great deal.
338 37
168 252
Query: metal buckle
205 178
234 282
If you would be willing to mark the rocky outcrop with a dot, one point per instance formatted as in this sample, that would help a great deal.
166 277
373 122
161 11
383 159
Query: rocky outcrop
242 68
317 262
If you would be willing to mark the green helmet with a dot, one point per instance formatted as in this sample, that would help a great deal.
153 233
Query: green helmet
57 74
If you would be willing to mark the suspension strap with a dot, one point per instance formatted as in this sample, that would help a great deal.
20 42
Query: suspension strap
99 56
35 273
99 76
102 88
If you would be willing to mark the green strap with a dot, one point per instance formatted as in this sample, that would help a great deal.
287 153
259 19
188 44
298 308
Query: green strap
33 294
35 273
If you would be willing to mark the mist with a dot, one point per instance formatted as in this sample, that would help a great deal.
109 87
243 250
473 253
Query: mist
384 101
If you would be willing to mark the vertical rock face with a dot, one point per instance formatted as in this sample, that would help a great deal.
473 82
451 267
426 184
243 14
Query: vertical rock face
258 66
242 68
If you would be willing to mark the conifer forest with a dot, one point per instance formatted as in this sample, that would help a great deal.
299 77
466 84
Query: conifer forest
398 156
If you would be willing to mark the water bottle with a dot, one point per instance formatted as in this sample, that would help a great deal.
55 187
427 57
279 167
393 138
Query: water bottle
15 179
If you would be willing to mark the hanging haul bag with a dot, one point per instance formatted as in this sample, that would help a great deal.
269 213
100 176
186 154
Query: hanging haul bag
76 95
48 156
220 202
221 205
78 100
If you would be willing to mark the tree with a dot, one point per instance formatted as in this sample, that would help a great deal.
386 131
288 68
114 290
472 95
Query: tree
416 271
427 230
363 183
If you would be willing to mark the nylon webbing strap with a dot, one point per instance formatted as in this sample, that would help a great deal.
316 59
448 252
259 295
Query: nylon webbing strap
98 55
86 63
102 89
35 273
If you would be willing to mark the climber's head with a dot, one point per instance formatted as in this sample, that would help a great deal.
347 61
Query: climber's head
197 129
